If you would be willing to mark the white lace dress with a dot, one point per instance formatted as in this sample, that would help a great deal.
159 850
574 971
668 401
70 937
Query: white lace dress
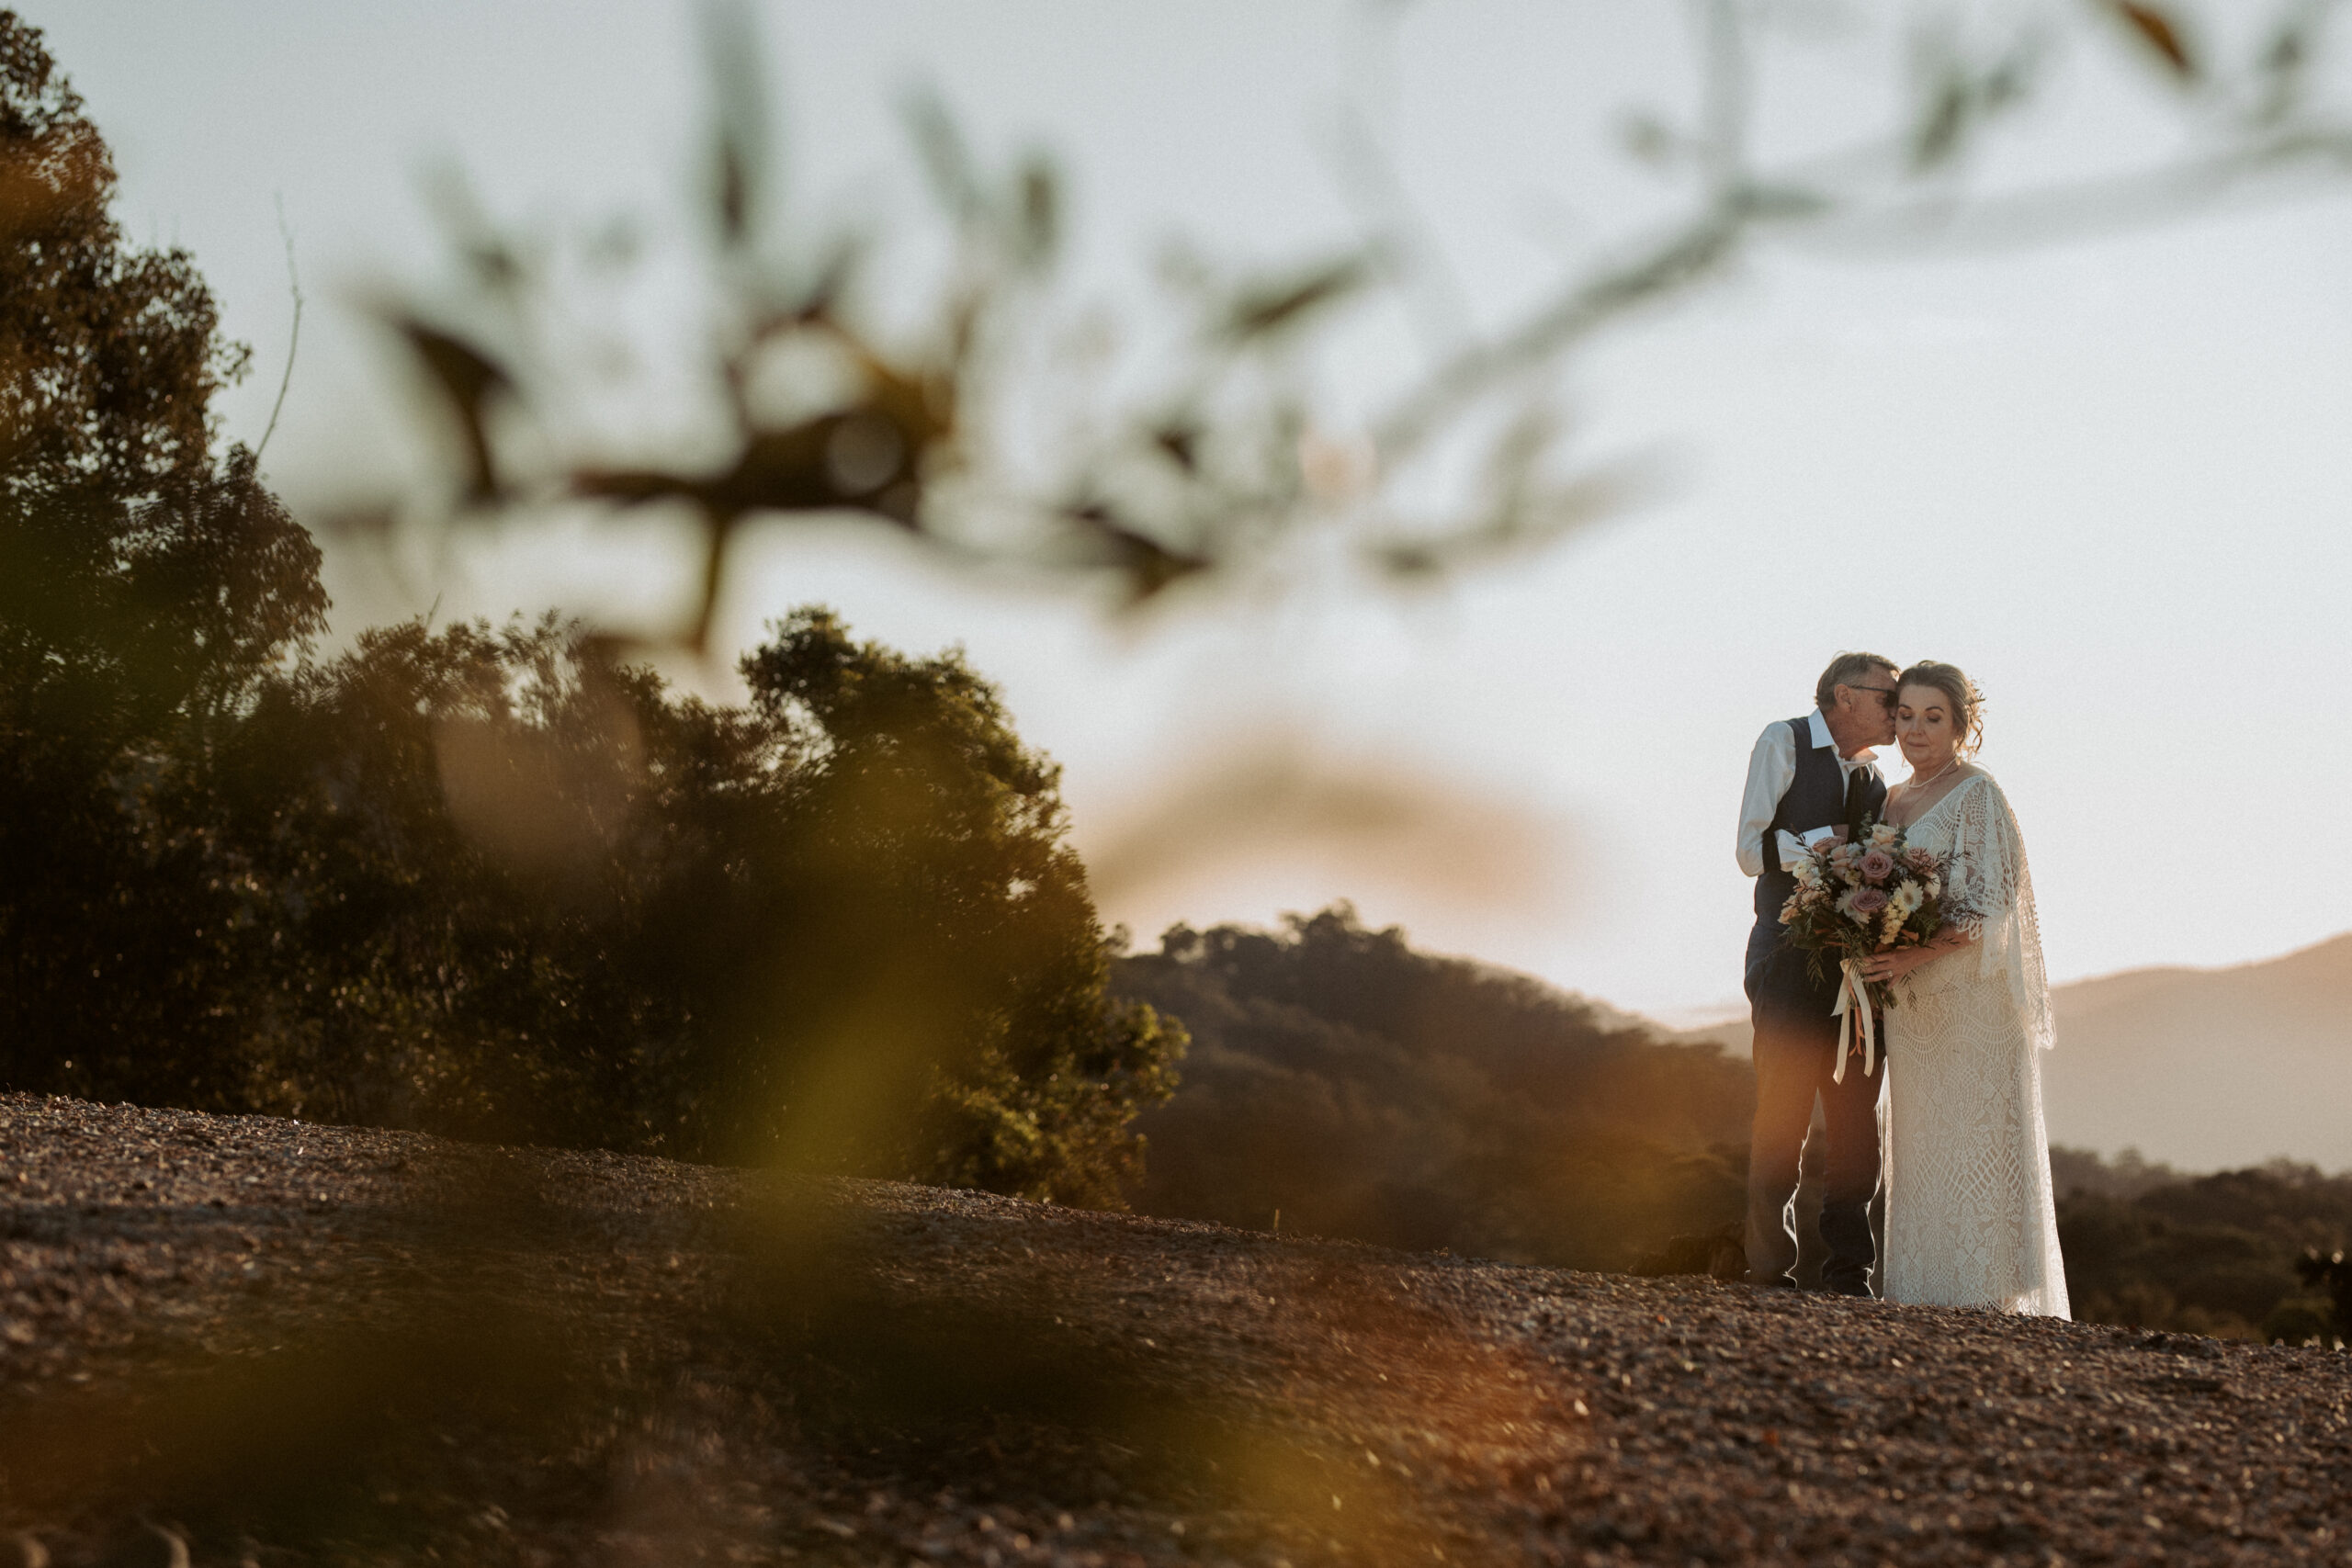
1969 1219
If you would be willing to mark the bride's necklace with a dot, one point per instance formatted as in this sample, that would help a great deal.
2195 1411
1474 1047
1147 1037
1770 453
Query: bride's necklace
1922 783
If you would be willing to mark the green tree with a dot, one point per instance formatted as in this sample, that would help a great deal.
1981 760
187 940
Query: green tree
956 950
531 895
436 825
148 584
2202 1254
479 880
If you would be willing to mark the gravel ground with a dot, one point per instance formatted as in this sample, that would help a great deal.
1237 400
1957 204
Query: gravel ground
262 1341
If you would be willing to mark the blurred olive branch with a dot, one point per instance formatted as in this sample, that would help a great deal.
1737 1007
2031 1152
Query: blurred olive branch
293 333
1214 459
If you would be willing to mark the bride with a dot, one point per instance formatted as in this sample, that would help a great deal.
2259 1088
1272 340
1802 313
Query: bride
1969 1219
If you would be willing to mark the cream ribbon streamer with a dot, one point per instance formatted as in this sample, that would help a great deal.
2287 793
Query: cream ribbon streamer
1853 1002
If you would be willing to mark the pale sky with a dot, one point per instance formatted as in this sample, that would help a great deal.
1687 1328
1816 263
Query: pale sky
2111 479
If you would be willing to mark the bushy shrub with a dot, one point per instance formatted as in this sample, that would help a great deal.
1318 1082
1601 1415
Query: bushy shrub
520 892
2204 1255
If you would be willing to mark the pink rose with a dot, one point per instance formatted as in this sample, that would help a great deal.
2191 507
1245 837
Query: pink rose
1920 860
1869 901
1876 866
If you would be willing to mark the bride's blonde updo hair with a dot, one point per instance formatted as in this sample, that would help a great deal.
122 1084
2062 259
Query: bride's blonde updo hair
1967 702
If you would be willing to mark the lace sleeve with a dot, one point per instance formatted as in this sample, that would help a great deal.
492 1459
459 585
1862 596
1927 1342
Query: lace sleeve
1990 875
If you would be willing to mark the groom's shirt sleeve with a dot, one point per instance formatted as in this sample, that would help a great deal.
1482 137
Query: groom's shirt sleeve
1771 768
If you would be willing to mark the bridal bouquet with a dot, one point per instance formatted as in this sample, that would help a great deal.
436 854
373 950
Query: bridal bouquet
1865 896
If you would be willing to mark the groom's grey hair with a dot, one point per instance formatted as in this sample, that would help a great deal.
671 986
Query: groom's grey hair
1847 670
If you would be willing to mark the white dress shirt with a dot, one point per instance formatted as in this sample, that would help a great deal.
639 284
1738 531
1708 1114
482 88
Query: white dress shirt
1771 768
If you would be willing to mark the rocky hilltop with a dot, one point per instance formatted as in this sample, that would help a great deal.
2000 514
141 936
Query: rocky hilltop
253 1340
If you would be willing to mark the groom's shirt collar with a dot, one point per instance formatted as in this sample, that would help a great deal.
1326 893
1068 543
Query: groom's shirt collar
1820 737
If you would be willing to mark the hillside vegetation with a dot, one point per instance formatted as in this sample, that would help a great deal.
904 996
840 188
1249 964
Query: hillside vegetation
2209 1255
1368 1091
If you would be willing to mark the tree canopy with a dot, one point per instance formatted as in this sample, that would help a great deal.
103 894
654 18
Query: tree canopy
483 880
529 894
149 583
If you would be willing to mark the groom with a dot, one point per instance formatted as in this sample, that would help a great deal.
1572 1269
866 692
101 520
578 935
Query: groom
1810 776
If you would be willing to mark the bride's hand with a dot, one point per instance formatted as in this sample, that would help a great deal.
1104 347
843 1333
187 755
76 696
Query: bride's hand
1894 966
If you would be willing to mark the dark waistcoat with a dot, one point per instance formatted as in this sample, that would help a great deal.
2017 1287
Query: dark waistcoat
1815 798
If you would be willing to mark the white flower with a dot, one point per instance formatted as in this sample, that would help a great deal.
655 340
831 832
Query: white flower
1884 835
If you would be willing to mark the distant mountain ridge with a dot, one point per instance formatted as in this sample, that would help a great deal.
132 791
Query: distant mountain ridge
2210 1068
2206 1069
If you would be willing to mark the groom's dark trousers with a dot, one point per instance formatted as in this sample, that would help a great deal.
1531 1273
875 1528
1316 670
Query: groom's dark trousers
1795 1050
1794 1055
